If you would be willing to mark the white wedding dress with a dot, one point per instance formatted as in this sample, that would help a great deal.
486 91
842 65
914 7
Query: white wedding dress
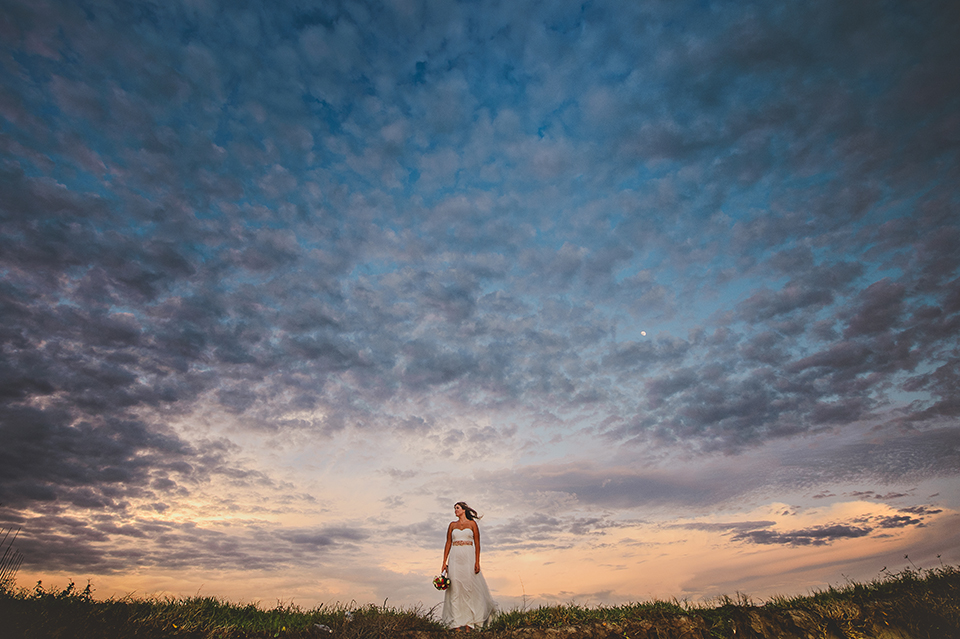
467 602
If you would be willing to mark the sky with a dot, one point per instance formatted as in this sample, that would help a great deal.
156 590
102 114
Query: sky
668 291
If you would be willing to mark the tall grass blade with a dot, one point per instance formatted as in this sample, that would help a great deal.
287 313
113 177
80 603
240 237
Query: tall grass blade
11 559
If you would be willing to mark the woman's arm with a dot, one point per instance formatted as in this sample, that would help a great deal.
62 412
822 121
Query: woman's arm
476 543
446 548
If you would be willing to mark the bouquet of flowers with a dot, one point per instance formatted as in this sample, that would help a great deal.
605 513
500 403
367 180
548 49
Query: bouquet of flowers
442 582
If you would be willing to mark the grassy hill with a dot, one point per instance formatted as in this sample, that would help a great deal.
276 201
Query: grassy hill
913 604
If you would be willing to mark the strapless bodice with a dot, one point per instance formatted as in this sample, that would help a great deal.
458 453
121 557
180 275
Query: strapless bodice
462 534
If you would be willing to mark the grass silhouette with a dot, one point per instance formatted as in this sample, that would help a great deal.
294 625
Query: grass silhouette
10 558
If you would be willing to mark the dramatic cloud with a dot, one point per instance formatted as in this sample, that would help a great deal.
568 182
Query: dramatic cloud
280 281
817 536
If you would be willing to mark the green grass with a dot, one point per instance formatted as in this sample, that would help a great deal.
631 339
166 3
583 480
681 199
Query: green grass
574 615
51 613
917 603
920 604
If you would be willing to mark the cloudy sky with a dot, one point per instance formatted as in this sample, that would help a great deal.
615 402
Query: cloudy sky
668 291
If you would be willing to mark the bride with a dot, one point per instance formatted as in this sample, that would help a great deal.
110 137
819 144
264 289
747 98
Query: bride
467 602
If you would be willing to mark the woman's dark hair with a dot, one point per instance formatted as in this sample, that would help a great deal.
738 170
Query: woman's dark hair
468 511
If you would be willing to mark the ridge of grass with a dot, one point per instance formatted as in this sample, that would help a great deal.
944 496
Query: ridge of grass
71 612
922 603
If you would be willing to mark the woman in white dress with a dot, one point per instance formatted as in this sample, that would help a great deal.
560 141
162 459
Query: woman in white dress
467 602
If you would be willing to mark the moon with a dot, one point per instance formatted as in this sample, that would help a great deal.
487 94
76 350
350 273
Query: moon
644 333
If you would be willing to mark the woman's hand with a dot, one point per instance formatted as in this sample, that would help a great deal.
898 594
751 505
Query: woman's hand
443 568
476 567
